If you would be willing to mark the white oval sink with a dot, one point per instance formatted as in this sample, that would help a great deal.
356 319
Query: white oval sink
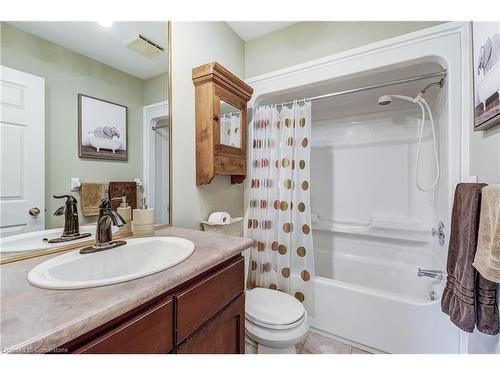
138 258
33 241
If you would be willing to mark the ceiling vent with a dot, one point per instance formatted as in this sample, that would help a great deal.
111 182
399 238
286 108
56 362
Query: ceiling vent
145 46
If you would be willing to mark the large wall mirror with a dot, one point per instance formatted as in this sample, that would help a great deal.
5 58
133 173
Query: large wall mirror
84 113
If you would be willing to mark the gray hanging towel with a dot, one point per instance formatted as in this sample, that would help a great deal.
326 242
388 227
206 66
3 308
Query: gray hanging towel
468 298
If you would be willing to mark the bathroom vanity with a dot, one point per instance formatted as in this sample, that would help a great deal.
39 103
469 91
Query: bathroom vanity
197 306
204 315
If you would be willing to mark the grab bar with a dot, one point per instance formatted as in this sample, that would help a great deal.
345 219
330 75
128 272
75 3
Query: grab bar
434 274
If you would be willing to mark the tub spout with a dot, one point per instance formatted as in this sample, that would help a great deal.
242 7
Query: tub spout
434 274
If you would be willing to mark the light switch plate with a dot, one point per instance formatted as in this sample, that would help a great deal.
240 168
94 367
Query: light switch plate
75 184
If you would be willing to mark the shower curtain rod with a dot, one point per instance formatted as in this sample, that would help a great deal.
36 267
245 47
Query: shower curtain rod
161 126
441 74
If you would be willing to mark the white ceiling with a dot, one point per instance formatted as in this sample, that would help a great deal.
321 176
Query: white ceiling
107 45
252 30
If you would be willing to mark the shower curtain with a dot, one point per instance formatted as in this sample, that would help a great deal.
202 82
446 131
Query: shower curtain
230 130
279 216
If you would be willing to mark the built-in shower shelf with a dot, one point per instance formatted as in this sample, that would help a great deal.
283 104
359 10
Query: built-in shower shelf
406 229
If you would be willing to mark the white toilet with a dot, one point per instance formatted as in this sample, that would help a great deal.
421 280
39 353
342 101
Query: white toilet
274 321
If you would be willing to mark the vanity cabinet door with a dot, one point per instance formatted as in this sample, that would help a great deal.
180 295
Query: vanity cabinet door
199 303
148 333
223 334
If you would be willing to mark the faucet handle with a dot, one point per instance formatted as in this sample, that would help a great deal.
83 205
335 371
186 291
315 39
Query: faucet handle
69 198
105 203
439 233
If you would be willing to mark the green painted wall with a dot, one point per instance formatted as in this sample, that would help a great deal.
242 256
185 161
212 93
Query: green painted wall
194 44
156 89
66 74
485 155
306 41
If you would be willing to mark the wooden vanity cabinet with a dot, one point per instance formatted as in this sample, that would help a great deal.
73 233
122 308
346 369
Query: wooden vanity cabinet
217 91
223 334
149 332
205 315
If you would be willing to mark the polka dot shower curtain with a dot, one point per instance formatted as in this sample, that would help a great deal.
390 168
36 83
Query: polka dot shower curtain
230 130
279 215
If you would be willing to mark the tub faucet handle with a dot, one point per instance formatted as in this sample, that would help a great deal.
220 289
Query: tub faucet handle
439 233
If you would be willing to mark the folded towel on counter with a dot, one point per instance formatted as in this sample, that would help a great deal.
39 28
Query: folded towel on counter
91 194
119 189
468 298
487 260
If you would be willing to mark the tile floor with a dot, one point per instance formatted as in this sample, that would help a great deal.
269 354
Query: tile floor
317 344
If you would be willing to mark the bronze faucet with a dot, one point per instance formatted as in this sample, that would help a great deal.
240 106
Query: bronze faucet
71 227
104 234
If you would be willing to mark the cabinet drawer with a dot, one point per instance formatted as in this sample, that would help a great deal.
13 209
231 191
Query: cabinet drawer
148 333
229 166
203 300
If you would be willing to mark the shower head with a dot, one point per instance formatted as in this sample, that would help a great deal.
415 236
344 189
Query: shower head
385 100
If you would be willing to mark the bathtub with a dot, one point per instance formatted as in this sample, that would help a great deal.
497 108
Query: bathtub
368 293
104 143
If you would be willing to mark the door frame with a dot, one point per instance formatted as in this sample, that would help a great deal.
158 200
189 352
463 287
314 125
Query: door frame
150 114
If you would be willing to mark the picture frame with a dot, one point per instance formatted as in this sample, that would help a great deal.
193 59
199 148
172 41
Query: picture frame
102 129
486 74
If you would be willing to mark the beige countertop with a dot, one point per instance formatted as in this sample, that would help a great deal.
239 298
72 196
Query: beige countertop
34 320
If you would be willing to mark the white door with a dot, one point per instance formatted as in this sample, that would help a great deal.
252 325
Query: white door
22 152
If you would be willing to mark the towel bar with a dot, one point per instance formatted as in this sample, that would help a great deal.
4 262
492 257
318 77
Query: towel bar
76 183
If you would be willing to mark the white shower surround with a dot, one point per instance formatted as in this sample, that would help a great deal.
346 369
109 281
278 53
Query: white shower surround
356 304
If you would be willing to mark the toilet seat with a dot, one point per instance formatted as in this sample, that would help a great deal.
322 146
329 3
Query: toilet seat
276 338
273 309
275 326
274 319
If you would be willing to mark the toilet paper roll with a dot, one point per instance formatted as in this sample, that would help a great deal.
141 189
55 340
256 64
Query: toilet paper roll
219 218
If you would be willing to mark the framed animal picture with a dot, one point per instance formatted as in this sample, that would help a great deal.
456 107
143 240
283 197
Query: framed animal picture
102 129
486 63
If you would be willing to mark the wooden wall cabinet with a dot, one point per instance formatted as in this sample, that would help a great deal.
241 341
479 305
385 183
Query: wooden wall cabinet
205 315
220 147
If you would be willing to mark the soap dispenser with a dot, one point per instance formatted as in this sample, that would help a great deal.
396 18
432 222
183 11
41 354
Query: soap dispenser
143 223
125 211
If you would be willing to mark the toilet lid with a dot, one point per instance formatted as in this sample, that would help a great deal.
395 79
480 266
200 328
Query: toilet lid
272 307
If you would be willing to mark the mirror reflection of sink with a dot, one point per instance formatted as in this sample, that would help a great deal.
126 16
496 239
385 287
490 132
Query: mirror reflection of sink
138 258
33 241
